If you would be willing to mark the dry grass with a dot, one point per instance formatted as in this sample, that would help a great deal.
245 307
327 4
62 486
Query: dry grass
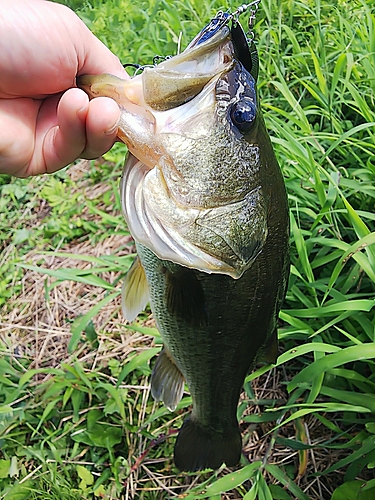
37 325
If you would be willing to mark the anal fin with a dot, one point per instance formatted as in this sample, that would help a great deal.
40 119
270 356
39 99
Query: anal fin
135 291
167 382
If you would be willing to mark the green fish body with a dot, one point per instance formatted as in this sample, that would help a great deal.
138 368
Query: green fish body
205 201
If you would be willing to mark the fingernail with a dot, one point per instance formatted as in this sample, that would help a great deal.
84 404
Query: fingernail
113 129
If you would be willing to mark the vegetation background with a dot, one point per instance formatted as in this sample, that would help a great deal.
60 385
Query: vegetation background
76 419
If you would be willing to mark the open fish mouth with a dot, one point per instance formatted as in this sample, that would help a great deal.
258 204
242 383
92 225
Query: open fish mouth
172 82
180 78
190 189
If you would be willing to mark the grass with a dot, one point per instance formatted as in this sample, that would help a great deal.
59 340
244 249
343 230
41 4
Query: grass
76 419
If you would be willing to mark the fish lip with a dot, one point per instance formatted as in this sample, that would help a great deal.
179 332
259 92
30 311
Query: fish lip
216 28
179 79
197 50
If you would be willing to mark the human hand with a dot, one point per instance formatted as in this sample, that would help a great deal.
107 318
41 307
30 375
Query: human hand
45 121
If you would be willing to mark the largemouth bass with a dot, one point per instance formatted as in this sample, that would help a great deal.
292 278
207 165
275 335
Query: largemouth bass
205 201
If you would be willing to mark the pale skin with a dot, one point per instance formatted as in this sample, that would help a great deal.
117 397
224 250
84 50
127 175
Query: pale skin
46 122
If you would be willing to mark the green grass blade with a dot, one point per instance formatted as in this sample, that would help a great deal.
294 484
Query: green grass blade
80 324
347 355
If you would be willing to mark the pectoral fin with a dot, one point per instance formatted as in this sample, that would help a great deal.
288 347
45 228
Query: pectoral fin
185 297
167 382
135 292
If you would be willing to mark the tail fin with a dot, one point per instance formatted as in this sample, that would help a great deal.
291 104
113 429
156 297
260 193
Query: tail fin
199 448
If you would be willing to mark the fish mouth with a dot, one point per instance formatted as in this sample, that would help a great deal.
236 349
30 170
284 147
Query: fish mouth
181 78
171 83
146 99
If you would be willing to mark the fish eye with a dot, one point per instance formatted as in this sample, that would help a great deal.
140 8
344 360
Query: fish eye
243 114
